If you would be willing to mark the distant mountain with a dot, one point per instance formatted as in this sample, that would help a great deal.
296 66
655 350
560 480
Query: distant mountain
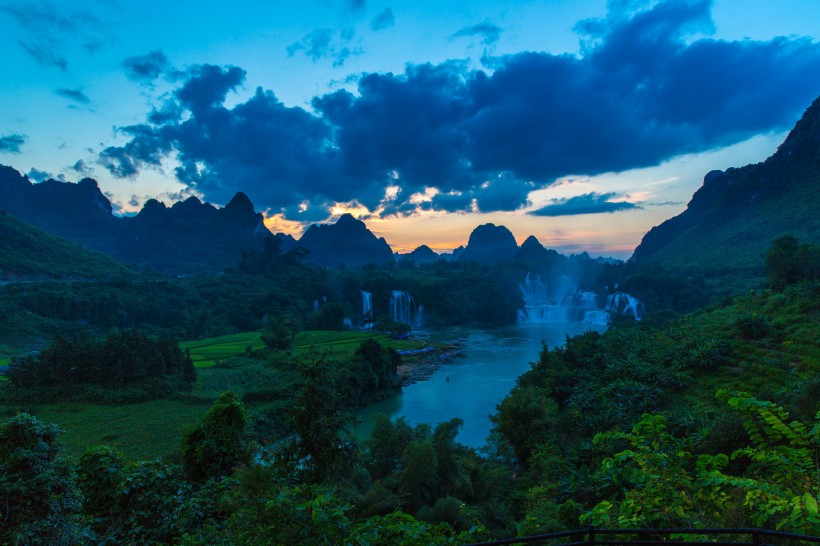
490 244
189 237
421 255
533 254
78 212
732 219
287 240
348 242
28 253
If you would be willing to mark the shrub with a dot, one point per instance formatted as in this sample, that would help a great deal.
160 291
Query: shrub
753 327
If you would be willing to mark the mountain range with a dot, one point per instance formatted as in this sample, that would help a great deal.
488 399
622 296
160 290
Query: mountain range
188 237
727 226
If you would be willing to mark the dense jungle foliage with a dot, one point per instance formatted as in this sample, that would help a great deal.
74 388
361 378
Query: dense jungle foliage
712 419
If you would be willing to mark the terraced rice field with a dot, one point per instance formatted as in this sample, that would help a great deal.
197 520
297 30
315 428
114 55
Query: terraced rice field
207 352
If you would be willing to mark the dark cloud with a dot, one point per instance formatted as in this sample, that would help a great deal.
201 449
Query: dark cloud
589 203
648 87
75 95
11 143
49 31
488 32
383 20
38 176
503 193
82 168
146 68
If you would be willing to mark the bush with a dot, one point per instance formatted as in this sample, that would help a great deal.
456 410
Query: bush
753 327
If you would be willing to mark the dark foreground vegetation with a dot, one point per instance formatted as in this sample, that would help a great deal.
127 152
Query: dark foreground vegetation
709 420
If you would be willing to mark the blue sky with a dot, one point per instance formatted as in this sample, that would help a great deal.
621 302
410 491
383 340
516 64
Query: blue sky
581 122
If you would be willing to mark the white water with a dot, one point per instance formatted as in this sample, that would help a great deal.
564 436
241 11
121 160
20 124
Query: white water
403 309
559 301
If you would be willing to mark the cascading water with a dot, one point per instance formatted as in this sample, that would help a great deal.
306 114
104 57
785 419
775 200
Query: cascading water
403 308
559 302
367 305
626 304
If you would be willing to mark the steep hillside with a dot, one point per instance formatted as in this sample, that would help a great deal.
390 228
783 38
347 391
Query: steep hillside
732 219
186 238
27 252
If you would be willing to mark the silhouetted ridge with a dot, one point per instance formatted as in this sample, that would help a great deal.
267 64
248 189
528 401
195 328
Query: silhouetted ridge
188 237
490 244
348 242
731 220
240 204
422 254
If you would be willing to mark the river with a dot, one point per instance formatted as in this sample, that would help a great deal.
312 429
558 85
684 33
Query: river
471 386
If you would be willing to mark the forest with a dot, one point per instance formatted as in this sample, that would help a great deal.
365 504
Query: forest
704 419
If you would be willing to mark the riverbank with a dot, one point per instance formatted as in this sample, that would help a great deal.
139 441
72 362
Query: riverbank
420 364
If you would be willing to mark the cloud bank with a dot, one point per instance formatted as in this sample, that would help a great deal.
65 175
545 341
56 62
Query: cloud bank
11 143
589 203
647 87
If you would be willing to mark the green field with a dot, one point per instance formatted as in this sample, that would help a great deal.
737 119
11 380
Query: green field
141 431
151 429
208 352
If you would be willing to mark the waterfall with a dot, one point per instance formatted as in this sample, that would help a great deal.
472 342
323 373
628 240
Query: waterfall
597 317
626 304
582 300
367 306
402 307
559 301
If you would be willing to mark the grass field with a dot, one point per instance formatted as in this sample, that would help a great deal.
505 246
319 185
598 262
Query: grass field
208 352
147 430
141 431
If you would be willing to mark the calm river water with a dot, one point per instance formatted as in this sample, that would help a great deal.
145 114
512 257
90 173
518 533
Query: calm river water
478 380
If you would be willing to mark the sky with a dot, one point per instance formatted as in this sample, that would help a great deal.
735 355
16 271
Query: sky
581 122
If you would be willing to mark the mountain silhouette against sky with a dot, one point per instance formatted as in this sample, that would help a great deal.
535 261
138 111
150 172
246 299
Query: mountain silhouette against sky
733 218
188 237
348 242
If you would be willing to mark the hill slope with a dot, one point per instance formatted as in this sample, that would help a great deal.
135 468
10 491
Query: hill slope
28 252
732 219
188 237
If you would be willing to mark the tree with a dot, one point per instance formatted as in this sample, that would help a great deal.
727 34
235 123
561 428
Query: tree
525 418
215 446
329 316
38 494
321 422
100 477
374 367
280 332
651 483
788 262
781 485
